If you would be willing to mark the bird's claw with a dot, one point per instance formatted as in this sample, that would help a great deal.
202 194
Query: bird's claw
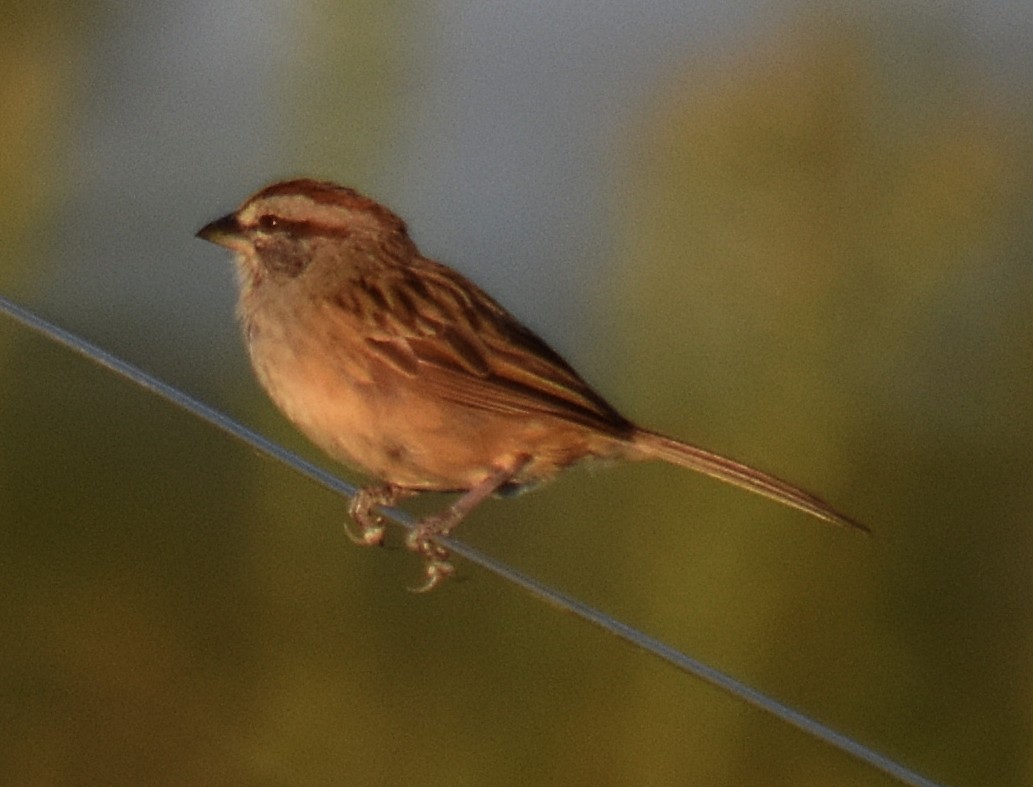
436 570
371 534
436 564
420 540
371 524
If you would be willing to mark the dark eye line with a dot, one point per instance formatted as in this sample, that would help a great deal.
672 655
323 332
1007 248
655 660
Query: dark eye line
270 222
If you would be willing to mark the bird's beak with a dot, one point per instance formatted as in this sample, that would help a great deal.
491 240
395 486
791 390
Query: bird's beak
225 232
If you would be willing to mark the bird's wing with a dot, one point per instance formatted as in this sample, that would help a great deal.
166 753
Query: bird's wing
429 323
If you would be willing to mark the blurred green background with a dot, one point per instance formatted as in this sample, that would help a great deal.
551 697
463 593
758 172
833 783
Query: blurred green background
798 234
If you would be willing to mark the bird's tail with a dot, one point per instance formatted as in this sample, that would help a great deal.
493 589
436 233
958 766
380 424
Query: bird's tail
650 445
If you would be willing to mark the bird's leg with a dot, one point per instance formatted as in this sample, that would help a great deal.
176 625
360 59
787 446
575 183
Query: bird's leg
421 538
371 524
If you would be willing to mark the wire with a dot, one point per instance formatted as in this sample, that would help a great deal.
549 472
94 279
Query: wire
553 597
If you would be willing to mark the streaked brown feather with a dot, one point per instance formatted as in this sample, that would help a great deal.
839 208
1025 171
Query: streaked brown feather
467 349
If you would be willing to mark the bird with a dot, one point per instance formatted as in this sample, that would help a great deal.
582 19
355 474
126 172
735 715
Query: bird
402 368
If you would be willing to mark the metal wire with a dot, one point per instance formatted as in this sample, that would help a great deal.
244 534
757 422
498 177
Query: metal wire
553 597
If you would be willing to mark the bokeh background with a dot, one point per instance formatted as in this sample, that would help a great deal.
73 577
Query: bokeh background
797 233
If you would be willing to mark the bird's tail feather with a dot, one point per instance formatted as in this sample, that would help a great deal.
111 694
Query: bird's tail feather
651 445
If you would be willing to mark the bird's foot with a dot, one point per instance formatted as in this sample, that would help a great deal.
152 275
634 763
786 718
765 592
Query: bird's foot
371 524
435 557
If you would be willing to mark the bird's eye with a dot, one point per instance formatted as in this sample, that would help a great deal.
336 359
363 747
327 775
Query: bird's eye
269 222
